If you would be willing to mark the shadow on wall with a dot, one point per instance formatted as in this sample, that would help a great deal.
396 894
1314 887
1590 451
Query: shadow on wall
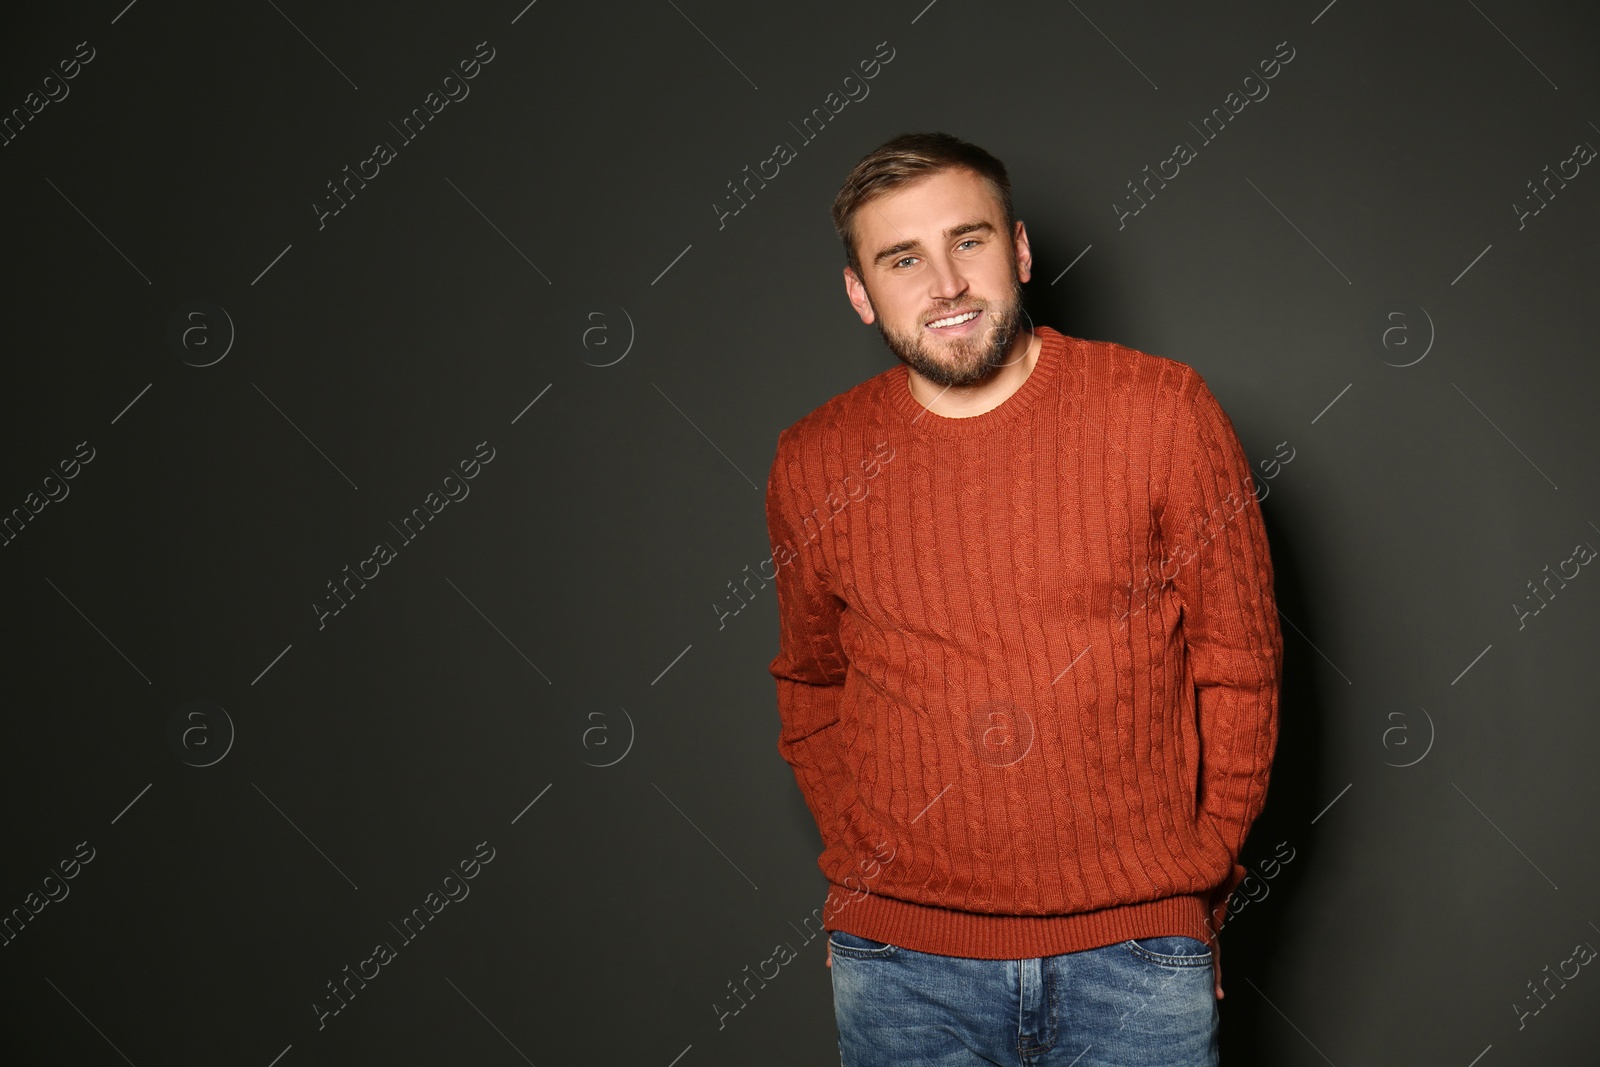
1254 938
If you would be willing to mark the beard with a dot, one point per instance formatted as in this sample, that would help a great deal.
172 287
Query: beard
961 361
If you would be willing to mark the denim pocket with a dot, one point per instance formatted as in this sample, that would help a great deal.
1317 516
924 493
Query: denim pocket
1170 951
860 948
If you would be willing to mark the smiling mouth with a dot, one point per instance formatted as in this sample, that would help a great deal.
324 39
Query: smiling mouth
958 319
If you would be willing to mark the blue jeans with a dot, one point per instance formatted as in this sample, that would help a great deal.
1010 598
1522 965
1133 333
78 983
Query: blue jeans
1143 1002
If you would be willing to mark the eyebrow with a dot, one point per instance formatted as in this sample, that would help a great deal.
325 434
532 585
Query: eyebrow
895 250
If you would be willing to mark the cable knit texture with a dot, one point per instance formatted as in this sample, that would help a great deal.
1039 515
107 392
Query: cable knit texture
1028 666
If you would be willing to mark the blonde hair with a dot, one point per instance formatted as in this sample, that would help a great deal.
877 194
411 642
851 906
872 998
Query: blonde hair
908 158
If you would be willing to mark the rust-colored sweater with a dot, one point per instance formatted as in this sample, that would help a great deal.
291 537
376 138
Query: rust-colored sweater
1029 660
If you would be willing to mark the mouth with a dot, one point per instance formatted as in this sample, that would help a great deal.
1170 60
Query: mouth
954 323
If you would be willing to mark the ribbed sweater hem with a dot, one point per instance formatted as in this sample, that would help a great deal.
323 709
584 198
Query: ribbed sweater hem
975 935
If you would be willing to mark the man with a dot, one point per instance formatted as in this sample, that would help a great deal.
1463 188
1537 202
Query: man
1029 656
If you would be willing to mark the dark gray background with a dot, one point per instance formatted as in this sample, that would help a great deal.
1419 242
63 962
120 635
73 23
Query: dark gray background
569 607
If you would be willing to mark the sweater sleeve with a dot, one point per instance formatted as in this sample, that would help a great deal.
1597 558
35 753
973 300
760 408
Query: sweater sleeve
1212 528
810 665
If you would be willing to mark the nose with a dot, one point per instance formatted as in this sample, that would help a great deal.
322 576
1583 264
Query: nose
948 282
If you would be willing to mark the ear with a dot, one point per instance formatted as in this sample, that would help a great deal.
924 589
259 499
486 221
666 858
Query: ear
1024 254
857 293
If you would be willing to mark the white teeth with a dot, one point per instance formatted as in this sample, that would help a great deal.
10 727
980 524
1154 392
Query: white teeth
953 320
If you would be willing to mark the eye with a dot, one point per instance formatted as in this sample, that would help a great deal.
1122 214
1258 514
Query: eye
904 260
970 241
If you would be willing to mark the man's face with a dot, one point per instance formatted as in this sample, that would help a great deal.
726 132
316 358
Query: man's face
936 251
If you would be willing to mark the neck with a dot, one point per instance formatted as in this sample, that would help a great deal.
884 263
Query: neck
965 401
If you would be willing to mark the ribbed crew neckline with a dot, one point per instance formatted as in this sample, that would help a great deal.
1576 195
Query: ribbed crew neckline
1052 350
